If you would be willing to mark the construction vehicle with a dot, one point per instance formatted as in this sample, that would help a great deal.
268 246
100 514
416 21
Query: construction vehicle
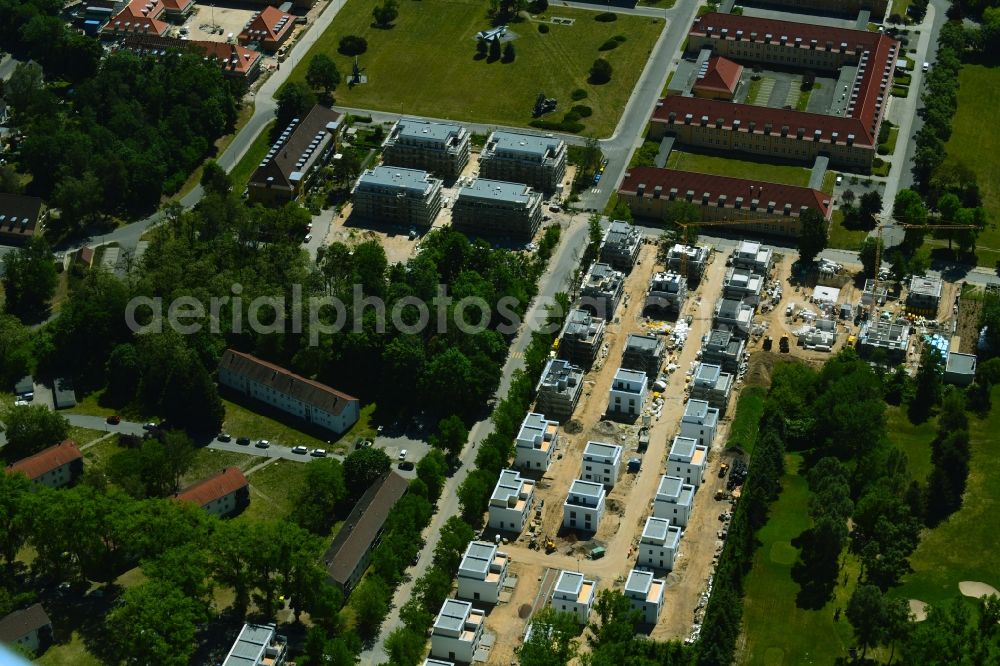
550 545
723 469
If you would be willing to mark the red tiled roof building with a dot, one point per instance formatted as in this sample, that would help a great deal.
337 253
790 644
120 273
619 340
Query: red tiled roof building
269 28
235 61
55 466
222 495
720 80
769 208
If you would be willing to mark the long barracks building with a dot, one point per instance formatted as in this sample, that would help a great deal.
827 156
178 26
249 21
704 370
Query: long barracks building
783 133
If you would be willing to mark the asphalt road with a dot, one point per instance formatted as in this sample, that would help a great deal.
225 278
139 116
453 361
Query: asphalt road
557 278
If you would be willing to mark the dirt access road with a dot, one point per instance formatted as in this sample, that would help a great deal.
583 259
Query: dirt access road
629 503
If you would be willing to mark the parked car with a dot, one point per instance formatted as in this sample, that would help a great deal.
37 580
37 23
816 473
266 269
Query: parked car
262 444
307 238
406 466
224 437
149 427
243 441
114 419
402 454
300 450
927 66
318 453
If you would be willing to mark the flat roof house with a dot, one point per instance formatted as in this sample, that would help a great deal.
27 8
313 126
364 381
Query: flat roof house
350 552
689 260
54 467
753 256
627 394
620 245
924 296
309 400
498 209
457 631
688 459
674 500
666 294
511 502
768 208
63 393
645 353
302 147
482 572
658 544
581 338
536 441
893 337
645 594
258 645
441 148
710 383
601 290
18 218
743 284
960 369
29 628
700 421
601 463
223 494
735 315
395 195
724 348
584 506
539 161
574 594
268 29
559 389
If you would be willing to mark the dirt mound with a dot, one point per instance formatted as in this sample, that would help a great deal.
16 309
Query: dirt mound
572 427
524 611
606 428
918 609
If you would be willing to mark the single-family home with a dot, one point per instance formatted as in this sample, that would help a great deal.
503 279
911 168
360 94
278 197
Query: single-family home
687 459
29 628
699 421
645 594
482 572
536 441
559 389
627 394
658 544
258 645
584 505
457 631
674 500
574 594
581 338
710 383
510 503
601 463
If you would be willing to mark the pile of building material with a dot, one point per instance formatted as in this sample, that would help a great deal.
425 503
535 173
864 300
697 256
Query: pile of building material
679 334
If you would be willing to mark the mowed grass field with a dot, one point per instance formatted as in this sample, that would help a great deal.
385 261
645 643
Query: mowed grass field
912 439
726 166
426 63
964 547
975 143
776 631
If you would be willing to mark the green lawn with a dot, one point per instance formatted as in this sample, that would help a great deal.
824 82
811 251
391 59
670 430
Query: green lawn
777 631
240 175
426 64
841 237
913 440
829 180
94 404
900 7
260 422
753 90
964 546
84 435
74 652
209 461
274 489
743 431
725 166
976 144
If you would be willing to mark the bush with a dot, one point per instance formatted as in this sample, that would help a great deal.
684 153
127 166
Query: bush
563 126
571 117
620 38
600 71
582 110
606 17
538 6
578 94
608 45
543 28
352 45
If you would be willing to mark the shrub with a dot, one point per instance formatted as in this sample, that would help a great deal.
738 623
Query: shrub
606 17
538 6
582 111
600 71
578 94
608 45
571 117
352 45
620 38
563 126
543 28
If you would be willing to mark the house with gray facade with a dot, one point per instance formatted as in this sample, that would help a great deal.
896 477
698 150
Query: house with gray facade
497 208
395 195
724 348
620 245
539 161
688 260
711 384
743 284
601 290
735 315
441 148
645 353
581 338
666 294
559 390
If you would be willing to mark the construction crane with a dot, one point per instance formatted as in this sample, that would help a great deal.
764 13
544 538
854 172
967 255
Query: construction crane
879 228
711 223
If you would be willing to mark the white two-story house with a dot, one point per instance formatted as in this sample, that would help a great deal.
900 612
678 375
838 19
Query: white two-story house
510 502
482 572
536 442
584 506
628 393
658 544
674 500
457 631
700 421
574 594
687 459
601 463
645 594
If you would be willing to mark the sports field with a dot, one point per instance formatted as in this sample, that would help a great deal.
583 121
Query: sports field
427 64
976 144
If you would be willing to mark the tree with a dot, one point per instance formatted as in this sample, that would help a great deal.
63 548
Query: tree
508 52
15 515
848 197
25 90
29 280
362 468
482 48
867 254
370 601
495 50
31 428
155 624
405 646
600 71
214 178
948 206
15 350
322 493
908 208
78 200
552 641
928 384
432 469
866 611
322 73
385 13
869 205
352 45
451 436
812 239
294 101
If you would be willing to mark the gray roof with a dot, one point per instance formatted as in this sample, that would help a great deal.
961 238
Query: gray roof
670 486
696 408
415 128
620 233
569 582
641 342
415 181
963 364
484 189
25 384
527 145
534 424
639 582
587 489
661 531
478 556
582 324
602 450
926 286
509 484
626 375
708 372
453 615
250 645
22 622
683 447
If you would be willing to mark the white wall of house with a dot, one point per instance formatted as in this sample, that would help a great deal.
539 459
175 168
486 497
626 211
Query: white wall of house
222 506
601 468
56 478
454 648
656 555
